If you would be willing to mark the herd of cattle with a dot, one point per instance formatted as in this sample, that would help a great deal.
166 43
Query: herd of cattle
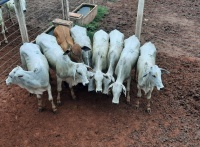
103 65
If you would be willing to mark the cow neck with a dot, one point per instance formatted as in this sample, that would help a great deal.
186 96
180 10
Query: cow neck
99 64
120 77
146 82
65 36
111 68
29 75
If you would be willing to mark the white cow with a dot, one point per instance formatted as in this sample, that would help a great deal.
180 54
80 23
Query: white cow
35 77
79 34
66 70
115 49
99 60
3 27
124 67
10 6
149 74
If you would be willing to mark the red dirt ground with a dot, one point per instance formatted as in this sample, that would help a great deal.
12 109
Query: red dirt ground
174 27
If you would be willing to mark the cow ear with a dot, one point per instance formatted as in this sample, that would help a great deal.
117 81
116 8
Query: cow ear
112 79
164 71
85 48
66 52
35 70
92 76
124 89
105 76
110 87
89 68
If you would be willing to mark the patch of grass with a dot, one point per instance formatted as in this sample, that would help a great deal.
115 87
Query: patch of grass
94 25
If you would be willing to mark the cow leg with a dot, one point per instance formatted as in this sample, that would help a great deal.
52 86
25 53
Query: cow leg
72 92
59 88
128 99
39 102
149 101
91 85
139 94
51 98
9 16
3 31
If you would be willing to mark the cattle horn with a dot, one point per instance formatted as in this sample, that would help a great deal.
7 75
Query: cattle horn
164 71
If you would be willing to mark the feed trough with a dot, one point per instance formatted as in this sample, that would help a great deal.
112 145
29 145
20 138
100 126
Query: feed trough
83 14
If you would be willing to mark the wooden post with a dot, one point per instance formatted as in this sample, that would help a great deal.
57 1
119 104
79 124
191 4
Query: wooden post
21 20
65 9
140 10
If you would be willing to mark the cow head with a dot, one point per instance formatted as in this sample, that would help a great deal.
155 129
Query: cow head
107 80
23 4
153 76
86 55
117 89
15 76
98 79
91 80
74 52
11 5
81 72
11 76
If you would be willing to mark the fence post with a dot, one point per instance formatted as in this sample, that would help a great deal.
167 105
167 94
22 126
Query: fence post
65 9
140 10
21 20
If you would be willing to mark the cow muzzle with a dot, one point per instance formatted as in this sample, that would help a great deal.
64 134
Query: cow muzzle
115 101
8 82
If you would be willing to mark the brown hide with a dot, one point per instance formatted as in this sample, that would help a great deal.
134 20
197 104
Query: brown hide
62 34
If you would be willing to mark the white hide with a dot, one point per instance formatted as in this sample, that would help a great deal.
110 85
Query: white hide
79 34
124 67
115 49
149 74
99 59
66 70
35 77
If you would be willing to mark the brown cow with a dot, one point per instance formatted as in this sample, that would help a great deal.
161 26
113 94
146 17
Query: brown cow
64 39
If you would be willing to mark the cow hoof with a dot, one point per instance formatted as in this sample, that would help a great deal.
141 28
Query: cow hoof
30 94
6 41
54 110
149 110
75 98
40 109
136 107
59 103
127 103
